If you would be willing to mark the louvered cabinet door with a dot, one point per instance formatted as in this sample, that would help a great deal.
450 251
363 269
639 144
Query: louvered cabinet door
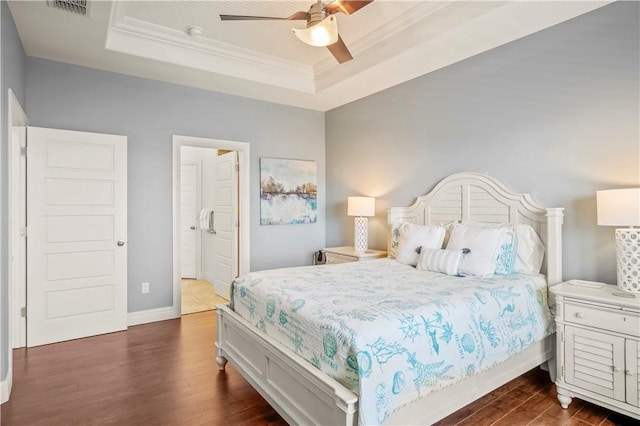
595 362
631 371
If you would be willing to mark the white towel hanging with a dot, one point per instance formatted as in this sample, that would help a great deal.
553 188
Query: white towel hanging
203 220
206 220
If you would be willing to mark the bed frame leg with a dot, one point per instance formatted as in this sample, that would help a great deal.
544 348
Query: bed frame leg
552 368
222 362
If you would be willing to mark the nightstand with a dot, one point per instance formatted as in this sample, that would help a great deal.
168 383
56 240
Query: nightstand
598 345
348 254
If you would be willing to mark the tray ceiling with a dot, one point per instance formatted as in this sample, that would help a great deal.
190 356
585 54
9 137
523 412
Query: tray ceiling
391 42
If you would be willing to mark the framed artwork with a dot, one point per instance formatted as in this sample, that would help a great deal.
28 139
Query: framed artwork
288 191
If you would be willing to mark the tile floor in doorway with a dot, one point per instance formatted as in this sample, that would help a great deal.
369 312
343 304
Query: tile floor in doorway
199 296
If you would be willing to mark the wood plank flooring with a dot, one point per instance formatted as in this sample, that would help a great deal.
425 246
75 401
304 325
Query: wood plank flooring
165 374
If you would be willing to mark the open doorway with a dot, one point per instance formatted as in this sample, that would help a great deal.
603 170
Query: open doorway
206 258
210 220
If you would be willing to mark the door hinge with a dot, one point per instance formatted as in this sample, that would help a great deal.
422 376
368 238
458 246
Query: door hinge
23 312
23 232
237 167
23 151
237 224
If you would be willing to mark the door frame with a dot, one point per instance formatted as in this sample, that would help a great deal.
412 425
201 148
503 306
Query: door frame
244 158
17 285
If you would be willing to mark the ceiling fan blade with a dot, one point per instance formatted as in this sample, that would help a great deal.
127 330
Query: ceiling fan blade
297 16
339 51
345 6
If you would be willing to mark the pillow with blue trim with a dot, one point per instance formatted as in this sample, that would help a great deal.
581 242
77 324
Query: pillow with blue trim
506 257
507 246
483 247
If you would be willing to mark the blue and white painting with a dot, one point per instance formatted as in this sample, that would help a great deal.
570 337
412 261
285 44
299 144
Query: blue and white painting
288 191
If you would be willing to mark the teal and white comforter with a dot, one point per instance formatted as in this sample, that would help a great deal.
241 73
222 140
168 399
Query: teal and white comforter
391 333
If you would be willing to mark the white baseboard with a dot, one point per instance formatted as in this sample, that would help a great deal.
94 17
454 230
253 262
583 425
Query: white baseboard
151 315
5 388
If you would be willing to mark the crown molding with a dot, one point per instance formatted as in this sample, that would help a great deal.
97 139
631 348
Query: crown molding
136 37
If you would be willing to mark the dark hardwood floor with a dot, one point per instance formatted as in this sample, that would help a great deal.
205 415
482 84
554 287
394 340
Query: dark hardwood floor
165 374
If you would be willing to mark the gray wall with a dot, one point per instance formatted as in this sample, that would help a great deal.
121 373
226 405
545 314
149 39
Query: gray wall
12 62
554 114
149 113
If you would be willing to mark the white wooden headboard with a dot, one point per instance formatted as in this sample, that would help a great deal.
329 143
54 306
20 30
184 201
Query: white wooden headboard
480 198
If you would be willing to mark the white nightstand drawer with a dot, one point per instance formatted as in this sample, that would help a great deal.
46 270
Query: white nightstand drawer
622 322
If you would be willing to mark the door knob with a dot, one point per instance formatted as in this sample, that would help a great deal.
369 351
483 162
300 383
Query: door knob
120 243
192 227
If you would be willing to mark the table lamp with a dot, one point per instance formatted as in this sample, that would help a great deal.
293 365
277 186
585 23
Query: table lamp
361 207
621 207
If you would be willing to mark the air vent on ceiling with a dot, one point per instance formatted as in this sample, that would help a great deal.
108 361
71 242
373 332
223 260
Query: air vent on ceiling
81 7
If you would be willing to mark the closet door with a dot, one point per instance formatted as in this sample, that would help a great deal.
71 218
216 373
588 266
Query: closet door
76 234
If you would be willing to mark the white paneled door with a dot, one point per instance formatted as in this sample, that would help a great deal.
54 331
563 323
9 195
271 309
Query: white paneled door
226 223
188 215
76 234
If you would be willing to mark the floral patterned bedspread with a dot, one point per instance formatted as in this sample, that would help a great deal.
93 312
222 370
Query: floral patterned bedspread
391 333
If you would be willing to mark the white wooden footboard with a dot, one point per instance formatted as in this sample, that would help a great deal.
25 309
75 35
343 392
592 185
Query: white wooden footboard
300 393
303 395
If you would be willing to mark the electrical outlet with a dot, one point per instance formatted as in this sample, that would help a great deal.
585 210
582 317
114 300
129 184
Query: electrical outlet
145 288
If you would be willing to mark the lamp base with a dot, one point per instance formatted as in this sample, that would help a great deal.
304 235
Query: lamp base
628 259
361 234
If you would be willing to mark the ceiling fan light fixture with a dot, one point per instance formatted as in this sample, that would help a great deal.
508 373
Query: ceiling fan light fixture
322 34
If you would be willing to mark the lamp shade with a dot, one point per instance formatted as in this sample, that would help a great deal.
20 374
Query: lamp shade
361 206
619 207
322 34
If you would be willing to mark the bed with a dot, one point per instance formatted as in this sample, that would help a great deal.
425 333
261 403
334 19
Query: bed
286 374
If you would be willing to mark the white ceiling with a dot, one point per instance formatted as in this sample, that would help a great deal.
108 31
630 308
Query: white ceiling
391 41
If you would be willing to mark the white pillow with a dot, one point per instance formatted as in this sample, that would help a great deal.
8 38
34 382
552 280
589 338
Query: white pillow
529 251
414 237
483 244
446 261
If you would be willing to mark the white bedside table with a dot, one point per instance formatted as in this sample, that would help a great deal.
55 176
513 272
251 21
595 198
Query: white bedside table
598 345
348 254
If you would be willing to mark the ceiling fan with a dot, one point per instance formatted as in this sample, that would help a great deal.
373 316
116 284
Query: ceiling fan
322 26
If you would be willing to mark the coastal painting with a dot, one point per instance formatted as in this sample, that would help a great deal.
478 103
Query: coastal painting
288 191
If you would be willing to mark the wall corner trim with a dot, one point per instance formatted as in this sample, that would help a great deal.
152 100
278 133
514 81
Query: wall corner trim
151 315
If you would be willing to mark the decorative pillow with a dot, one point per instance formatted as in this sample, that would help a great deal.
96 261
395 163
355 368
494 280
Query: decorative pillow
529 252
483 244
395 240
506 251
446 261
506 256
414 237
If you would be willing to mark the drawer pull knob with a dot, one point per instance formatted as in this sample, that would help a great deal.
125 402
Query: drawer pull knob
628 372
579 315
616 369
